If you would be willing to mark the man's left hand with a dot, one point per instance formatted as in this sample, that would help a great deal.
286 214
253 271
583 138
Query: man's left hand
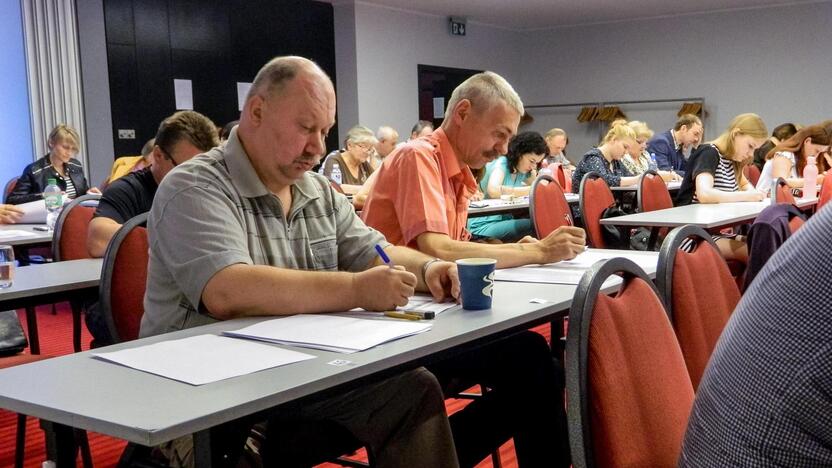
442 281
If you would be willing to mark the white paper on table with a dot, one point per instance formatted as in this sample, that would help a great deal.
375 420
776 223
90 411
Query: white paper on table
34 212
330 332
570 271
10 233
242 93
202 359
183 90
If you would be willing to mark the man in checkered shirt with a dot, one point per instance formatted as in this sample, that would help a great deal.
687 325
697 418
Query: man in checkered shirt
766 396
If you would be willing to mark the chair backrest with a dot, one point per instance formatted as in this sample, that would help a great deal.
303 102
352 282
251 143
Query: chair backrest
560 177
752 173
781 192
548 207
699 294
69 241
652 192
595 197
628 392
825 192
123 279
9 188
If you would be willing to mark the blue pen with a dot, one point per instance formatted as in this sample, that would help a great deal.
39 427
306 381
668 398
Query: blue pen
384 256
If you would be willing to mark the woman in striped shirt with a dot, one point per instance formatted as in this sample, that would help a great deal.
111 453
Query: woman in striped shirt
59 164
714 172
714 175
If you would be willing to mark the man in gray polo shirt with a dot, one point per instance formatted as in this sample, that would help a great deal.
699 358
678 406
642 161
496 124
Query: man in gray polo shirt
245 229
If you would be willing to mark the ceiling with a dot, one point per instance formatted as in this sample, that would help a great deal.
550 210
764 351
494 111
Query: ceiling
546 14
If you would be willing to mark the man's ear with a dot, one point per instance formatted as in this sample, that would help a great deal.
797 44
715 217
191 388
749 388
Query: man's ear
461 111
156 155
254 108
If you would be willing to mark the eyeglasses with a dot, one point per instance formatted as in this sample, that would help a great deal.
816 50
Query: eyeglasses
168 156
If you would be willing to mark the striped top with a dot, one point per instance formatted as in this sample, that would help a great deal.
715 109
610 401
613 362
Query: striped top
707 159
70 188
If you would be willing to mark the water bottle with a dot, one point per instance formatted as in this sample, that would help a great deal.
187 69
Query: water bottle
810 178
53 198
653 165
336 173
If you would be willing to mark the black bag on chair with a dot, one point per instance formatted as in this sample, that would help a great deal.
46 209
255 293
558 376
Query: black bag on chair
615 237
12 338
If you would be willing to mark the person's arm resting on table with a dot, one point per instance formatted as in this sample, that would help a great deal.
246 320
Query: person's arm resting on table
564 243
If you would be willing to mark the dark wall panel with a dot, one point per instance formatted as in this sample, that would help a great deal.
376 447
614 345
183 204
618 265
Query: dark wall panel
213 43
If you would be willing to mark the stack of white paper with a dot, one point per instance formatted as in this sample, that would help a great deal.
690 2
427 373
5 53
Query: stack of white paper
204 359
34 212
571 271
330 332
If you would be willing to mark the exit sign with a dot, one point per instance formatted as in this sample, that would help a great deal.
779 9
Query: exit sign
457 26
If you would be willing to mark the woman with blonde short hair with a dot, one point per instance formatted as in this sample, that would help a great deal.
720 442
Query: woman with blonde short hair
606 158
59 164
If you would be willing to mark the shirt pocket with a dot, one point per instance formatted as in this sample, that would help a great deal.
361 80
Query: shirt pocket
324 254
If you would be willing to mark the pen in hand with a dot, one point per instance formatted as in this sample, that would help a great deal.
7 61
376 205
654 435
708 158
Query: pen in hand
383 255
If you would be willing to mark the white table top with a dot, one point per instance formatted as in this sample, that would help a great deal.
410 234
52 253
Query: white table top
81 391
47 278
38 237
706 216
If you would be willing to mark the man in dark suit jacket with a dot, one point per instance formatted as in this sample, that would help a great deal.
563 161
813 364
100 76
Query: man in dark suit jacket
667 147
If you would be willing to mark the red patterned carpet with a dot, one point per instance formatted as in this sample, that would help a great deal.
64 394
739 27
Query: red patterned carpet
56 339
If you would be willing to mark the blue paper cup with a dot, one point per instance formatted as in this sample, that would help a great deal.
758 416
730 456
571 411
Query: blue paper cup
476 278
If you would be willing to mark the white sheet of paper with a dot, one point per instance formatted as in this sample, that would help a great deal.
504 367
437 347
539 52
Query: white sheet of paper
10 233
183 90
424 303
242 92
330 332
569 271
34 212
203 359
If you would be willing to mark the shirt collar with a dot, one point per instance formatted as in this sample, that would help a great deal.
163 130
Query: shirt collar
248 183
676 145
451 163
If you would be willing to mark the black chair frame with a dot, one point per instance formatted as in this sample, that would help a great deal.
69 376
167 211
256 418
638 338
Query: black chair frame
577 351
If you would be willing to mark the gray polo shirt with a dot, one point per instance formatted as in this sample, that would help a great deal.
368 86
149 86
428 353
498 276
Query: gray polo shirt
213 211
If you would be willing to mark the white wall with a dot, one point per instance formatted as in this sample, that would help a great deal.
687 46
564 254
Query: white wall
391 43
772 61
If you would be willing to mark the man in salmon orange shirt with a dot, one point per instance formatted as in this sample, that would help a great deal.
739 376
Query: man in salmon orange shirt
420 200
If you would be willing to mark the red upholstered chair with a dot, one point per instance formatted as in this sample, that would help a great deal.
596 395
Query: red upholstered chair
752 173
825 192
629 395
595 197
69 242
123 280
9 188
781 192
560 177
699 293
548 207
652 193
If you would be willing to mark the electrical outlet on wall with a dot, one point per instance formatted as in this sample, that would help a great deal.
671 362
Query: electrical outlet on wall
126 134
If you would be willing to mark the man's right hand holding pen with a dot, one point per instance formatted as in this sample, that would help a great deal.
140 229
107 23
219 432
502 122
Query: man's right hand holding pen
390 285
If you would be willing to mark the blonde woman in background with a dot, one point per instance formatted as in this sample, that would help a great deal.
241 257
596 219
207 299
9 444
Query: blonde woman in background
59 164
639 161
606 158
714 175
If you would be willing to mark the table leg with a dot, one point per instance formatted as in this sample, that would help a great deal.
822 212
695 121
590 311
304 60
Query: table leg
60 443
202 448
654 236
32 327
77 310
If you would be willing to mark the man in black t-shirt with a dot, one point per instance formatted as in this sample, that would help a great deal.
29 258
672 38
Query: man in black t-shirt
180 137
